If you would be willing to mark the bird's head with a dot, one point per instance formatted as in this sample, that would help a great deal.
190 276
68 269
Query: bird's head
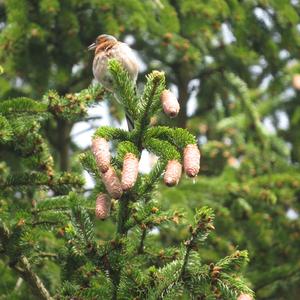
101 40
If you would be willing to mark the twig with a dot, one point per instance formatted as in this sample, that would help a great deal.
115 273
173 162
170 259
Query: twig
82 132
18 284
189 246
92 118
47 254
204 226
145 115
23 267
121 231
123 215
141 246
32 279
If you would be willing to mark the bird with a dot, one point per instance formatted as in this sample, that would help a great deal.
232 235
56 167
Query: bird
107 47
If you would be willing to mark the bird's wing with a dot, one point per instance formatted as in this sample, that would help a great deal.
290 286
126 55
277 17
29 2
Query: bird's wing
127 57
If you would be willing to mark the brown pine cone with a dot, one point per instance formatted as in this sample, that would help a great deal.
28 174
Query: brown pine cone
130 171
112 183
103 203
170 103
173 173
191 160
100 149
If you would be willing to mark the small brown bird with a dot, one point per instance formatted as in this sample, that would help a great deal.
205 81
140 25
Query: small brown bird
107 47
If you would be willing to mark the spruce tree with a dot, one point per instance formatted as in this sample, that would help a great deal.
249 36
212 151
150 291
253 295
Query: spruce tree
240 61
60 228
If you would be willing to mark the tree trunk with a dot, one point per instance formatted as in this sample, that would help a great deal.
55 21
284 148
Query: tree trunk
63 142
183 95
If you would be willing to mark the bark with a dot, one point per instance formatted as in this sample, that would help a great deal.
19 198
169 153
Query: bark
63 143
183 95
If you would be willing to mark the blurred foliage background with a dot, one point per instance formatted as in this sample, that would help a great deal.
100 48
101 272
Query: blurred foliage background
234 63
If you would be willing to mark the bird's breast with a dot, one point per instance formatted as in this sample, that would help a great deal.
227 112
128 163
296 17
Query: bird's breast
123 54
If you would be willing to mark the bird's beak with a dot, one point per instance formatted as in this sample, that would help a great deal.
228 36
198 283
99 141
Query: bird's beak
92 46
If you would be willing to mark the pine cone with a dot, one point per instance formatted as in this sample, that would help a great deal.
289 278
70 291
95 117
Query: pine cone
170 103
112 183
130 171
103 203
296 82
173 173
191 160
100 149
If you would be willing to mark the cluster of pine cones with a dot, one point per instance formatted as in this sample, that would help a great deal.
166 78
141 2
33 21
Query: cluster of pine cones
115 187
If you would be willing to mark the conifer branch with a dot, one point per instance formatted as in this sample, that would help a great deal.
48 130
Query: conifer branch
59 182
37 286
151 179
150 101
22 266
110 133
142 241
242 89
203 226
283 272
123 215
124 87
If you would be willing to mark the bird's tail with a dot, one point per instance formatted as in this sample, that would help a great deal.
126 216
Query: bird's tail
130 122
